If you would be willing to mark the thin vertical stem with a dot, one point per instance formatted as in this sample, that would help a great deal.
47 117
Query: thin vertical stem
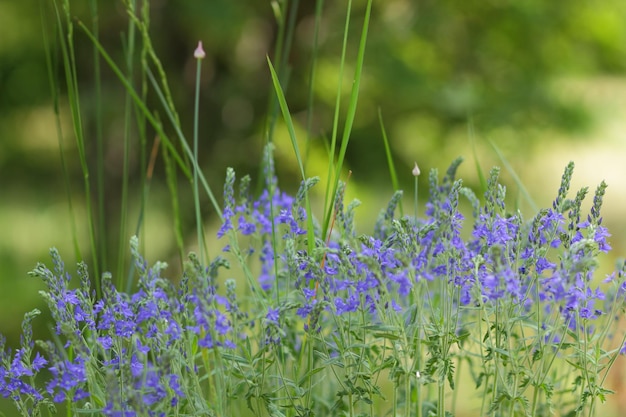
102 235
199 54
122 245
407 394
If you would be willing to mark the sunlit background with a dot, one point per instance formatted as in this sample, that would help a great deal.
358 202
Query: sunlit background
542 81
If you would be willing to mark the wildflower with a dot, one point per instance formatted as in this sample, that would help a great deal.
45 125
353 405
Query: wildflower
348 305
543 264
273 332
245 227
68 379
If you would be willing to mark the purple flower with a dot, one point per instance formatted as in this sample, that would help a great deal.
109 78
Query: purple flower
543 264
174 384
550 227
600 235
348 305
272 315
246 228
498 231
227 223
273 332
286 217
151 387
69 379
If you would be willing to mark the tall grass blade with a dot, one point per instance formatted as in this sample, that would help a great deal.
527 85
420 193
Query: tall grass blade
294 142
139 102
351 112
143 25
145 167
285 15
390 163
329 196
287 116
124 209
145 170
52 63
69 68
100 174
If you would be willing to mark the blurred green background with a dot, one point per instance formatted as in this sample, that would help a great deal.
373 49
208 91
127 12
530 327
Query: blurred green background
544 81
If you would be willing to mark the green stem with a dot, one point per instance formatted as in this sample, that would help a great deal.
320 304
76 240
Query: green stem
196 166
441 407
407 394
122 242
102 236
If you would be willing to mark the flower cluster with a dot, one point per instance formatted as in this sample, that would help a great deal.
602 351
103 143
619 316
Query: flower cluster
414 300
123 354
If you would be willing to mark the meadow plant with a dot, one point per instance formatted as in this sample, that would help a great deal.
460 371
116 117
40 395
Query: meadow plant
381 324
300 316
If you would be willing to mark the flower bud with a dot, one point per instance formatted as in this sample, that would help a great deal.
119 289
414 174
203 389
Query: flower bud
199 52
416 170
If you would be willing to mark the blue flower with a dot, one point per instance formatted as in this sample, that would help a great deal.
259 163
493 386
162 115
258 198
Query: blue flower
272 315
350 304
69 378
543 264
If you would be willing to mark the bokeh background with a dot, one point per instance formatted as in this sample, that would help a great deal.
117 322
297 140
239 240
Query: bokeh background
544 81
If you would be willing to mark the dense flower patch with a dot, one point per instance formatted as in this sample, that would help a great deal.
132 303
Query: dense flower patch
282 325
